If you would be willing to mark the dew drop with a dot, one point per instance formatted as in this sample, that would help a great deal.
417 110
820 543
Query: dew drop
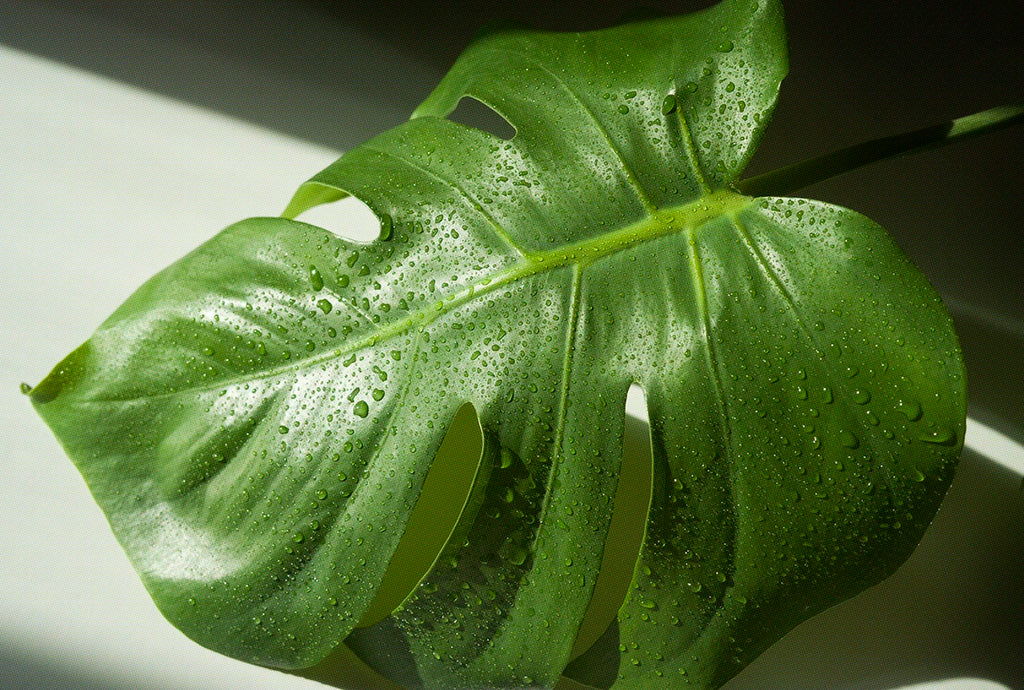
669 105
361 409
315 279
325 305
861 396
940 436
724 47
385 226
848 439
910 408
517 556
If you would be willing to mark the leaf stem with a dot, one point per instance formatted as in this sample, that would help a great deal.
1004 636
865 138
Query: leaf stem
790 178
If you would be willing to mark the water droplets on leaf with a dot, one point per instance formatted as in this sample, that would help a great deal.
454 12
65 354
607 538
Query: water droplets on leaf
848 439
316 279
910 408
941 436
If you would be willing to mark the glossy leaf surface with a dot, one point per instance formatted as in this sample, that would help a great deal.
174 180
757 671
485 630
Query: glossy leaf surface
258 420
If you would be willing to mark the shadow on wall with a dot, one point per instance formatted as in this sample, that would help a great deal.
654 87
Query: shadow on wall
22 670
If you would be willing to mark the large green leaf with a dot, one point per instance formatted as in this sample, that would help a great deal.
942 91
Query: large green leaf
258 420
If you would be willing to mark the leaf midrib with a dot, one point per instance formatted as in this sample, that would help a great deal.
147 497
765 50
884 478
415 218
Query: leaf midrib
686 217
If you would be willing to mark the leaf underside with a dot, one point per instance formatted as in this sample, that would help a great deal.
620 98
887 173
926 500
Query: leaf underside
257 421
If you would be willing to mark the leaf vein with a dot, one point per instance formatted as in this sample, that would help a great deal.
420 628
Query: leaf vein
576 255
700 291
563 394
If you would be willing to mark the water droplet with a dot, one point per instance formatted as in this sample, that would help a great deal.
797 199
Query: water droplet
325 305
669 105
361 409
385 226
378 394
941 436
910 408
315 279
25 389
724 47
517 555
282 429
861 396
848 439
624 109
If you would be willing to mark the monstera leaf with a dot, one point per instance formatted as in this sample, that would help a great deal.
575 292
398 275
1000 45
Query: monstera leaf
259 419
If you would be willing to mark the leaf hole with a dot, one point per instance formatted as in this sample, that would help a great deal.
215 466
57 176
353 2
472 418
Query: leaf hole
349 218
445 490
625 537
476 114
